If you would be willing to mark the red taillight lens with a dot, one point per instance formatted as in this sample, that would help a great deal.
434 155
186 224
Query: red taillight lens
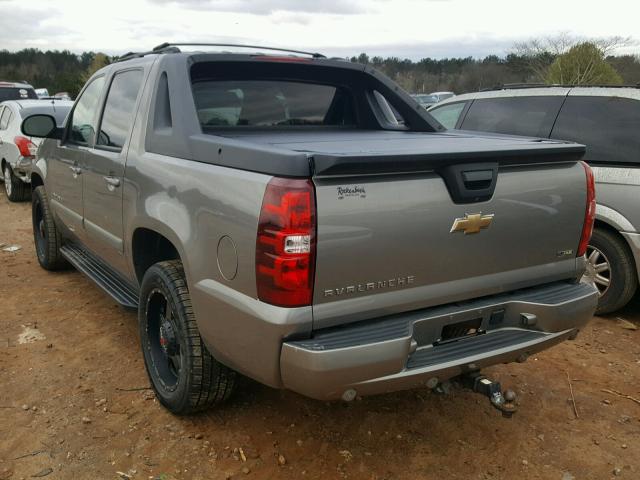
27 147
590 212
286 243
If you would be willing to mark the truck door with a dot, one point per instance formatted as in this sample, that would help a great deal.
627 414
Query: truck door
64 176
104 168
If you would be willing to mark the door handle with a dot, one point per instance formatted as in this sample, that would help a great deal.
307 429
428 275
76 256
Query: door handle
112 183
76 171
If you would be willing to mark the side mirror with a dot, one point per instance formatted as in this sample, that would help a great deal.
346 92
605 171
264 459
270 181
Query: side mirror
41 126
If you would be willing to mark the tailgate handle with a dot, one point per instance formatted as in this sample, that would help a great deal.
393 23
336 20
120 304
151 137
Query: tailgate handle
477 179
470 182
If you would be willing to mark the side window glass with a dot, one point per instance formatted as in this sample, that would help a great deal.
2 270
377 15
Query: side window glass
82 126
4 118
608 126
117 118
448 115
389 115
529 116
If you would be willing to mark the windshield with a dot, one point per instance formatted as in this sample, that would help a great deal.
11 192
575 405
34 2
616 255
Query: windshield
14 93
270 103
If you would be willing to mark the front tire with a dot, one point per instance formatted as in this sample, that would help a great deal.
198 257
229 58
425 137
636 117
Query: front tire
45 232
15 188
183 374
611 268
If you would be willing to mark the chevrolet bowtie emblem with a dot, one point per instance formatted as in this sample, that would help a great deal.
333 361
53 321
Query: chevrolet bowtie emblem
471 223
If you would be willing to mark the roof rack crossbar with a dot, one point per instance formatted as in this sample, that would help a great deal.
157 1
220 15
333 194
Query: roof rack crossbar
165 47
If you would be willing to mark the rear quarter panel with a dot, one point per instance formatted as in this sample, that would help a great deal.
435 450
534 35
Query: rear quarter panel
195 205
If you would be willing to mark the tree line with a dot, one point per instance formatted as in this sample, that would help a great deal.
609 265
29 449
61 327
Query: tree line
561 59
57 71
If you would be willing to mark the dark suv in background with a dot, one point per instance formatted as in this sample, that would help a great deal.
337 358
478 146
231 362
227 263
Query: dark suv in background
607 121
16 91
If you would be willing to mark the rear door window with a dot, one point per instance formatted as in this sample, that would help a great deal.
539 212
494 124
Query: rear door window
118 115
271 103
608 126
448 115
529 116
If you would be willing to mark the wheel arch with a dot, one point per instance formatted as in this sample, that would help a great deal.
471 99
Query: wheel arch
613 219
150 246
36 181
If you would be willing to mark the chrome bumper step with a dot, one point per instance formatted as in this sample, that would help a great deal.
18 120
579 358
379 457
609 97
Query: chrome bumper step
467 347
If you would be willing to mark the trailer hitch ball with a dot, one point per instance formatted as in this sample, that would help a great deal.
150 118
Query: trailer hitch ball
509 395
504 402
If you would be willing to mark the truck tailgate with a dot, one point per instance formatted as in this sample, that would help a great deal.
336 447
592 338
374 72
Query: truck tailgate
394 236
385 244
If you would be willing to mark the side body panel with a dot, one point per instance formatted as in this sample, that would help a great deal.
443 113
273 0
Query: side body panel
617 194
195 205
8 150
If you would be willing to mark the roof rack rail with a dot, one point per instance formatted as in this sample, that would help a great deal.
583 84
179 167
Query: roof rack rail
509 86
164 47
173 48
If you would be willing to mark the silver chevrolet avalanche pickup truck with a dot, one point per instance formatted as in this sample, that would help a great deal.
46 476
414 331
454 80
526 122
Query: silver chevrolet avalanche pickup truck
304 222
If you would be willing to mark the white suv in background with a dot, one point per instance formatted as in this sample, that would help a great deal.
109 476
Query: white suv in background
607 121
17 151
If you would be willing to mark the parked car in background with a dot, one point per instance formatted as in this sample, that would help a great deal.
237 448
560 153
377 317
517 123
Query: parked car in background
425 100
607 121
62 96
17 150
251 207
441 96
42 93
16 91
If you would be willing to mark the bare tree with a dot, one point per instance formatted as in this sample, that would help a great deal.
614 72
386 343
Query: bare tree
539 53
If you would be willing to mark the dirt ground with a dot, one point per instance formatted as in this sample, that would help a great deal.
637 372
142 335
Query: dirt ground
73 404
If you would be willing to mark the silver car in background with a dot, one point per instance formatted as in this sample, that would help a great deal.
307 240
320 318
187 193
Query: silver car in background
442 96
17 151
607 121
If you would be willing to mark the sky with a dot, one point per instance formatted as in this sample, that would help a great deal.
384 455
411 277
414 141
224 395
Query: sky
405 28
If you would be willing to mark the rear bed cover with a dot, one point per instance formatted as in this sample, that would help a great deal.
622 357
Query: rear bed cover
374 152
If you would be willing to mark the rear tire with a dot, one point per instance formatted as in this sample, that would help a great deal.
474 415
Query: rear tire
45 233
15 188
183 374
609 260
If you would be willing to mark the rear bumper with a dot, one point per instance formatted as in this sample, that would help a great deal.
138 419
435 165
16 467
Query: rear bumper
22 168
403 351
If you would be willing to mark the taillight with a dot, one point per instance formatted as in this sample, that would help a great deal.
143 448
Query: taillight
286 243
26 147
590 211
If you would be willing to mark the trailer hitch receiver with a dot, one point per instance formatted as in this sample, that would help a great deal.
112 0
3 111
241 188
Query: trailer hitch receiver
503 401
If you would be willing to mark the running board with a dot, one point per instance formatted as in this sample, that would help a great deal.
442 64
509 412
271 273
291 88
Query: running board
101 274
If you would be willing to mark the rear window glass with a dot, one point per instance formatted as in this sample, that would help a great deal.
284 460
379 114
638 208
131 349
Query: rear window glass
12 93
608 126
528 116
271 103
